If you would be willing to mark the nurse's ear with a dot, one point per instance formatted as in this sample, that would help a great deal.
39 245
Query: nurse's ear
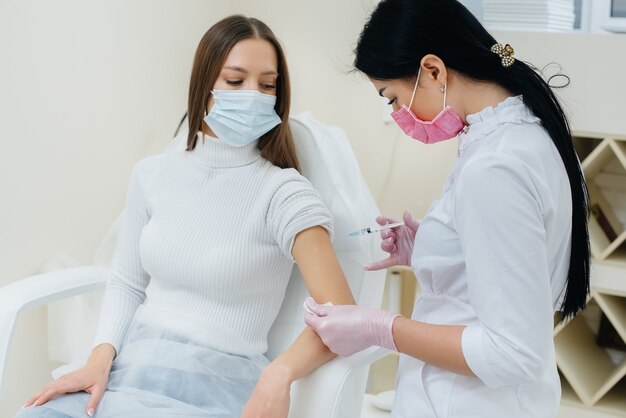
434 72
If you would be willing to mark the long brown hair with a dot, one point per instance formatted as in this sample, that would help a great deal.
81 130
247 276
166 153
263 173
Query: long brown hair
277 145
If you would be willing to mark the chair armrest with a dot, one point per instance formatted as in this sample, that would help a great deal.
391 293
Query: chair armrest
327 392
42 289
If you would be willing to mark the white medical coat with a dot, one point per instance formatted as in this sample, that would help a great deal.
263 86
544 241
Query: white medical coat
493 254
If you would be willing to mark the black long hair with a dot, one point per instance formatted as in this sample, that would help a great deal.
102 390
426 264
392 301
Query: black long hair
399 33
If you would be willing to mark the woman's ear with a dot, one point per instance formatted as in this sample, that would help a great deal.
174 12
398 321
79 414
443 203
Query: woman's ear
435 69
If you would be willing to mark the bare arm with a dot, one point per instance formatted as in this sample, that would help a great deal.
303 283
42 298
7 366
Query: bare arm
326 282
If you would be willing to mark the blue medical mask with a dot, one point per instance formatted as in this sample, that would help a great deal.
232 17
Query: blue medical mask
240 117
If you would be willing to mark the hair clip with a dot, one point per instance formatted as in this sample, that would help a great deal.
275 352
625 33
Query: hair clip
505 52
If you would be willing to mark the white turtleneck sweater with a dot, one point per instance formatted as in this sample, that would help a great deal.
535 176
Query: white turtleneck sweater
205 246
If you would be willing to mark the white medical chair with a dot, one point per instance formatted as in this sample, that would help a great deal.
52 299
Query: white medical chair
337 388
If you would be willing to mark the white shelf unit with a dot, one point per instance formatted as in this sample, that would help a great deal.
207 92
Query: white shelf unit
594 377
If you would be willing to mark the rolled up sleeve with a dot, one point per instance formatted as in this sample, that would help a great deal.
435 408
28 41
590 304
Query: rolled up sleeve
294 207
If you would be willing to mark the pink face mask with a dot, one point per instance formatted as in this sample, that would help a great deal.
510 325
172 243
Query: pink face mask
446 125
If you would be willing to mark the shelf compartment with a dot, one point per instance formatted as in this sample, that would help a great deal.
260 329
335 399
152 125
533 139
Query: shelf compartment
619 147
605 174
584 145
587 367
609 276
592 314
614 307
617 258
613 403
598 158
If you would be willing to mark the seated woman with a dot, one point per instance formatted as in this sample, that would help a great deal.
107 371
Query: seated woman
205 253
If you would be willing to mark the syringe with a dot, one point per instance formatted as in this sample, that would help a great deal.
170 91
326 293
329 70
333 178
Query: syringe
374 229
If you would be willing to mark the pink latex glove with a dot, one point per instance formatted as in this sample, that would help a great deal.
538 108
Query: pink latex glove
347 329
398 242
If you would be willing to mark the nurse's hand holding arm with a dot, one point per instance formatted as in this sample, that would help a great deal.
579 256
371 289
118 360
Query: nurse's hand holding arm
349 329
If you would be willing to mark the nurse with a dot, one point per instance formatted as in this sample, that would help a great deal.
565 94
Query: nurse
505 246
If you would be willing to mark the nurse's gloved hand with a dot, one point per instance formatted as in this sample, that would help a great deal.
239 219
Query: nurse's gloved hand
398 242
347 329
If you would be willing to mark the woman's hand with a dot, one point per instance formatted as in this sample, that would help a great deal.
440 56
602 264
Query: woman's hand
91 378
270 398
398 242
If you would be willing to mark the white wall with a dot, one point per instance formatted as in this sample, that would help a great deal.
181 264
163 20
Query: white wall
594 62
86 89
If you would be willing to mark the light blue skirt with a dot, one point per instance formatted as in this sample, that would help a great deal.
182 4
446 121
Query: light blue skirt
161 373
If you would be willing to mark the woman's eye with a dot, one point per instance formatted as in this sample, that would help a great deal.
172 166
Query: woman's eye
268 86
234 82
392 101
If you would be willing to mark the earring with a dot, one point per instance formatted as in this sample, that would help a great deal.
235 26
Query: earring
442 88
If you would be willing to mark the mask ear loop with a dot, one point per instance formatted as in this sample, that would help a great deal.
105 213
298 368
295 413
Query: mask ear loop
415 88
